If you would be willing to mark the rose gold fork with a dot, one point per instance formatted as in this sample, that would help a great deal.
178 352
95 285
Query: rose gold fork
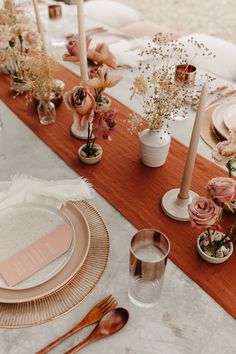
94 315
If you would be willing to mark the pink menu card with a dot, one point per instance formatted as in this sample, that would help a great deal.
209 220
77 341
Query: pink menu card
36 256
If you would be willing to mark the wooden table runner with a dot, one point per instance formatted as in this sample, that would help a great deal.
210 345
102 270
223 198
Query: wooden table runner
136 190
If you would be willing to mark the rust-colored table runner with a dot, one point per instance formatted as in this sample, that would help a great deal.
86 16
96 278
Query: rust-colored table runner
136 190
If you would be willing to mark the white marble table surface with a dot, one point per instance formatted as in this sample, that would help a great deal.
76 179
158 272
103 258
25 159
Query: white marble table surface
185 321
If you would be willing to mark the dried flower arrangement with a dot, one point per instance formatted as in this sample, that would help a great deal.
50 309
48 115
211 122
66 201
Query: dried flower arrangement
11 14
15 61
17 40
206 213
41 74
17 53
160 95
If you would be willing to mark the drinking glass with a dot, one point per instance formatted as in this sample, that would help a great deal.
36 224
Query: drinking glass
185 74
149 251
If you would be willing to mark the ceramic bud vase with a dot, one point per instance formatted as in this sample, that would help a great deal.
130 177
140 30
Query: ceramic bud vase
154 145
46 112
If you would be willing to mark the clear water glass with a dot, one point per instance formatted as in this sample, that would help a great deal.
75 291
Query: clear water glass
149 251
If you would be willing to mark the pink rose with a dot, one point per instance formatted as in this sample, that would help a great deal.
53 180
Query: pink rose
204 213
102 55
103 123
222 189
73 48
81 101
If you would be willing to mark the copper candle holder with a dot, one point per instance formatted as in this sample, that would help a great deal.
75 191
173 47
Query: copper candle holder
185 73
54 11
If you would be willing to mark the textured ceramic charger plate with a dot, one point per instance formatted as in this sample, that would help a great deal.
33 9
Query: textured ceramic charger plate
22 225
29 313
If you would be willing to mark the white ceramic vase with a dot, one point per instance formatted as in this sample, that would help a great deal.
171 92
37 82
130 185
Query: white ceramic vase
154 145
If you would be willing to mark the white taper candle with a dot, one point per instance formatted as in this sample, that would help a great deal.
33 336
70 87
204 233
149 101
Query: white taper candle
38 22
192 151
82 41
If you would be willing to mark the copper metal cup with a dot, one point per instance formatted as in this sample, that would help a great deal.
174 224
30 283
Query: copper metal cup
185 73
54 11
149 251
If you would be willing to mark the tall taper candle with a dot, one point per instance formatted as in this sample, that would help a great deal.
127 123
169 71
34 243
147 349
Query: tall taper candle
192 151
38 22
82 41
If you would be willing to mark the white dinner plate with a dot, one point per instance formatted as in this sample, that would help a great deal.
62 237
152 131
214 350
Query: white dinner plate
24 224
230 117
218 119
75 262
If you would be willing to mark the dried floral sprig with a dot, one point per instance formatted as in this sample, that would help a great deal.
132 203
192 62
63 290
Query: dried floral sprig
160 95
41 74
15 59
13 15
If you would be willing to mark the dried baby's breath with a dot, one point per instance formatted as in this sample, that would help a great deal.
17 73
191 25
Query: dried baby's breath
160 95
41 73
13 15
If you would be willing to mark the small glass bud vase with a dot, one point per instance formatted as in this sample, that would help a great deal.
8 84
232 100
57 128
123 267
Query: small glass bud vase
46 112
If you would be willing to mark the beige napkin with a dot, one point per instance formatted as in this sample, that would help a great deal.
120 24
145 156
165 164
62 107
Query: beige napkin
24 188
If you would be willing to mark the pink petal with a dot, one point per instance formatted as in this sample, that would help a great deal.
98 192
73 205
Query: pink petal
94 83
71 58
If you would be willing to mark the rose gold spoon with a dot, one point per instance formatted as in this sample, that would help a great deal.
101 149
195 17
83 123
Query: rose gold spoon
111 323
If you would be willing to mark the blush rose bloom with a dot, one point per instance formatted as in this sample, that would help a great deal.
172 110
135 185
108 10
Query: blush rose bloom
102 55
204 213
80 101
222 189
73 48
